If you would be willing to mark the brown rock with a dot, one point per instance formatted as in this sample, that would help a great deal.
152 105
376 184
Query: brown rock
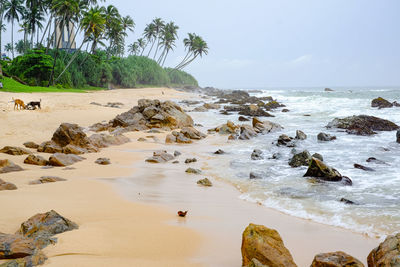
160 157
35 160
320 170
170 139
211 106
16 246
247 132
381 103
16 151
104 140
6 186
265 126
49 147
180 138
38 258
335 259
266 246
387 253
47 179
103 161
62 160
192 133
204 182
69 133
8 166
31 145
72 149
100 127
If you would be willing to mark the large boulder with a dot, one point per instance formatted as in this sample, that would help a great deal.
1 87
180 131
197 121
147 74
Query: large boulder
8 166
254 111
266 246
320 170
228 128
16 151
381 103
325 137
16 246
105 140
363 124
300 159
335 259
49 147
265 126
300 135
72 134
247 132
387 253
192 133
35 160
62 160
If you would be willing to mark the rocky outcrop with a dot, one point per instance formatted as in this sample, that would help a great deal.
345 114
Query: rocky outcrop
160 157
62 160
381 103
49 147
387 253
204 182
72 134
7 186
363 124
35 160
16 151
31 145
47 179
265 126
185 136
265 246
324 137
254 111
8 166
321 171
192 133
273 105
257 154
211 106
318 156
16 246
300 135
247 132
228 128
300 159
328 90
103 161
362 167
335 259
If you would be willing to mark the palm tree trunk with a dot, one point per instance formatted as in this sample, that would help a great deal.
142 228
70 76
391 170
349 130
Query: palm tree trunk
70 61
31 46
161 56
12 38
187 63
158 45
166 54
47 28
1 24
151 48
55 56
185 58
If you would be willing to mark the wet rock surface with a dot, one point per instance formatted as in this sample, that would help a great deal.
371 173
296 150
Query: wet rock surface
320 170
300 135
387 253
335 259
300 159
257 155
380 102
363 125
325 137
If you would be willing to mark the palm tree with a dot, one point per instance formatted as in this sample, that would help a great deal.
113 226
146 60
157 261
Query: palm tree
197 47
13 10
2 29
142 44
158 28
169 35
2 25
133 48
8 48
150 35
21 46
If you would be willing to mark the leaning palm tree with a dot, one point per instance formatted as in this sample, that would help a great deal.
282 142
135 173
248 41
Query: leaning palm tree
198 48
150 35
158 28
13 10
168 37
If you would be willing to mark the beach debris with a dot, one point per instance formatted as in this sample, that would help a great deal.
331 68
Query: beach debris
361 167
265 245
182 213
8 166
387 253
177 153
103 161
62 160
241 118
300 159
35 160
190 160
363 124
300 135
30 144
192 170
219 152
325 137
160 156
47 179
380 102
285 140
257 154
321 171
204 182
15 151
335 259
7 186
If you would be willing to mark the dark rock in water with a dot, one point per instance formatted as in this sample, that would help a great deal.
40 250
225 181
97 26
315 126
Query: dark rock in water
16 151
398 136
307 115
335 259
273 105
363 124
177 153
190 160
387 253
257 154
31 145
103 161
47 179
192 170
328 90
204 182
325 137
253 175
347 201
320 170
241 118
346 181
219 152
361 167
7 186
285 140
8 166
300 159
381 103
285 110
276 156
160 157
254 111
300 135
375 160
175 162
264 246
247 132
265 127
318 156
62 160
35 160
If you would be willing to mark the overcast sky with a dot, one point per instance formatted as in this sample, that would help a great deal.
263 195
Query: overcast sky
282 43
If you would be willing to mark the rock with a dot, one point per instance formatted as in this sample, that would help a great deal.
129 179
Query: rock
328 90
265 126
192 133
325 137
69 133
241 118
114 105
211 106
254 111
16 246
62 160
16 151
257 154
318 156
72 149
154 131
361 167
273 105
347 201
177 153
247 132
381 103
204 182
322 171
31 145
363 125
103 161
160 156
228 128
38 258
47 179
35 160
175 162
300 159
276 156
285 110
253 175
8 166
192 170
180 138
300 135
335 259
200 109
105 140
266 246
141 139
285 140
190 160
7 186
387 253
219 152
49 147
42 226
346 181
398 136
100 127
170 139
375 160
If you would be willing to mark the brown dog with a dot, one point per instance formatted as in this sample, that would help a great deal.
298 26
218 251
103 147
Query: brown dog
19 104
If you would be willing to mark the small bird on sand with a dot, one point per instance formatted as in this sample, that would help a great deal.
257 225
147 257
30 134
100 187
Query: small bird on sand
182 213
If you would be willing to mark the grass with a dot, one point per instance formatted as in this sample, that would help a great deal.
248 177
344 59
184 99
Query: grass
10 85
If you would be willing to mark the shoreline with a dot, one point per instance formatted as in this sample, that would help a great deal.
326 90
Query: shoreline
209 236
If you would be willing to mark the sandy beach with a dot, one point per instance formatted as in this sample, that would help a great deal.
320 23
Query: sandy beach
126 211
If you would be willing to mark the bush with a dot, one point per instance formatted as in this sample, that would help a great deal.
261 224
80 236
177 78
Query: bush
179 77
